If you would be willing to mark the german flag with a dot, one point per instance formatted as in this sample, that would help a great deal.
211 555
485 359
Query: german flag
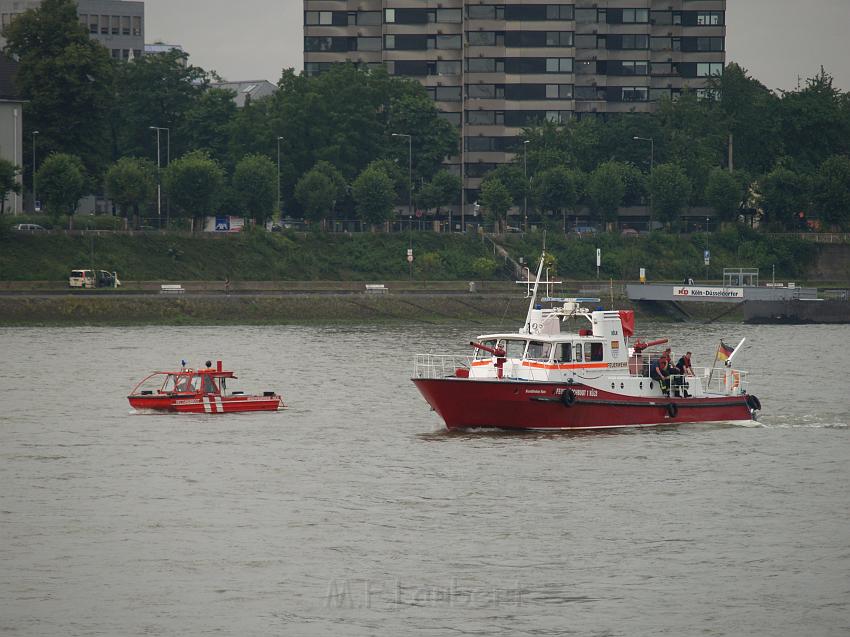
724 351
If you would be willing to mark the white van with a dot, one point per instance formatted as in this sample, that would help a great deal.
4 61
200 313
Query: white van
96 279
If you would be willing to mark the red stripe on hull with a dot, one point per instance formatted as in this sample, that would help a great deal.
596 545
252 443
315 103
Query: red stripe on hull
526 405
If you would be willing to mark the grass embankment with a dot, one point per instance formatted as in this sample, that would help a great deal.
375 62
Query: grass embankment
248 256
669 257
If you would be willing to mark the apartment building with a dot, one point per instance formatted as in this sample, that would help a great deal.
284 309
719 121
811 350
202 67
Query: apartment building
494 67
117 24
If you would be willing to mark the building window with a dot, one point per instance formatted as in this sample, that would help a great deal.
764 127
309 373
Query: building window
559 12
448 42
367 18
710 18
368 44
708 69
448 67
116 25
635 94
447 94
450 16
481 38
125 25
485 65
559 65
485 12
104 25
137 25
585 15
635 16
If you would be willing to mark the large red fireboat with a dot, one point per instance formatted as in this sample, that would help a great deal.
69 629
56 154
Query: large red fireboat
593 377
198 391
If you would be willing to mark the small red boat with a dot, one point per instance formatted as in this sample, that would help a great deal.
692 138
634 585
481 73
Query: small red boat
198 391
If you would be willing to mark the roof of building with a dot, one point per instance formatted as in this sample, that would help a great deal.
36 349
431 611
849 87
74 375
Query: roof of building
8 71
247 89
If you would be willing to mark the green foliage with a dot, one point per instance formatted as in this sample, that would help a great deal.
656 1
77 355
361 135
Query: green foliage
61 183
495 200
8 182
442 190
65 78
606 189
255 185
671 190
484 267
374 195
315 193
784 194
831 192
723 193
194 183
131 183
512 176
557 189
434 139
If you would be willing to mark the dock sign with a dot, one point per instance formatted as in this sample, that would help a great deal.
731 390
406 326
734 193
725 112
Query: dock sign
697 293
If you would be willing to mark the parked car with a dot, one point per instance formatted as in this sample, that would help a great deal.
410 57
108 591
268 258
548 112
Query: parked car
629 232
584 230
96 279
28 227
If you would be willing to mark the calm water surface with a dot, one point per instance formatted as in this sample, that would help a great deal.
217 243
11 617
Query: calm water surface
355 513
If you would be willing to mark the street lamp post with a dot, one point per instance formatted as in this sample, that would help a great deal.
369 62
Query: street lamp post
525 185
279 139
34 193
651 141
409 172
158 129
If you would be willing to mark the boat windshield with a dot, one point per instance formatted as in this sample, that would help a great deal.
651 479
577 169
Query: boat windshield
209 385
538 351
480 354
515 348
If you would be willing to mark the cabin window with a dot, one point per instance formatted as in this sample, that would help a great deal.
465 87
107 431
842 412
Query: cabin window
564 353
183 383
514 349
596 352
209 385
480 354
538 351
578 353
168 385
196 383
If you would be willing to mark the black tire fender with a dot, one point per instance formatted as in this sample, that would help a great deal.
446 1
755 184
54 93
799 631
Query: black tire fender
568 397
672 410
753 402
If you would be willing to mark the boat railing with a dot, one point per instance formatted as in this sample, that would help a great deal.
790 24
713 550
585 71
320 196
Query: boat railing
439 365
725 381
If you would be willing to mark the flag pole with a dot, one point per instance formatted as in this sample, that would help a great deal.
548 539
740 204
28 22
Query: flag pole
716 353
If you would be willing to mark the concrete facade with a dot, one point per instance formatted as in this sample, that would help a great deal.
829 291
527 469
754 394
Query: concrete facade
117 24
494 67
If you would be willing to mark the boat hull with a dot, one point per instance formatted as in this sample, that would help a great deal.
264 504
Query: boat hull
464 404
206 404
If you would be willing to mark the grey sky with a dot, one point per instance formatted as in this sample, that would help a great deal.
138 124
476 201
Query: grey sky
776 40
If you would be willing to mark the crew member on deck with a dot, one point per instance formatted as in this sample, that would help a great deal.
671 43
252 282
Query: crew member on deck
685 369
660 372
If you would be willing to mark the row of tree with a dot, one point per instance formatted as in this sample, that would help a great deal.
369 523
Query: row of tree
743 147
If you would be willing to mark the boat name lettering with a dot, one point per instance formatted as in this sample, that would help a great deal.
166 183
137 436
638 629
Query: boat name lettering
733 293
589 393
610 365
535 391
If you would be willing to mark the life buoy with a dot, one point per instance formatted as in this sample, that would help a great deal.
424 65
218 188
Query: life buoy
753 402
568 397
672 410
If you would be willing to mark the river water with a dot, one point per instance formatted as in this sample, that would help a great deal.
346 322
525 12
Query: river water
355 513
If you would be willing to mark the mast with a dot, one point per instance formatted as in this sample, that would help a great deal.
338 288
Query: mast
534 293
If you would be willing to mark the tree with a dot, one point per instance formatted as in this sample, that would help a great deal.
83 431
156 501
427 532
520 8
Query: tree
255 185
194 183
442 190
314 192
784 194
373 195
496 201
512 176
65 80
831 192
206 123
164 90
131 182
606 189
671 191
557 190
8 182
434 139
61 184
723 194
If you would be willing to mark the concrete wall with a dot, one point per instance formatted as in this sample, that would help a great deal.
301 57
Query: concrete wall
11 145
